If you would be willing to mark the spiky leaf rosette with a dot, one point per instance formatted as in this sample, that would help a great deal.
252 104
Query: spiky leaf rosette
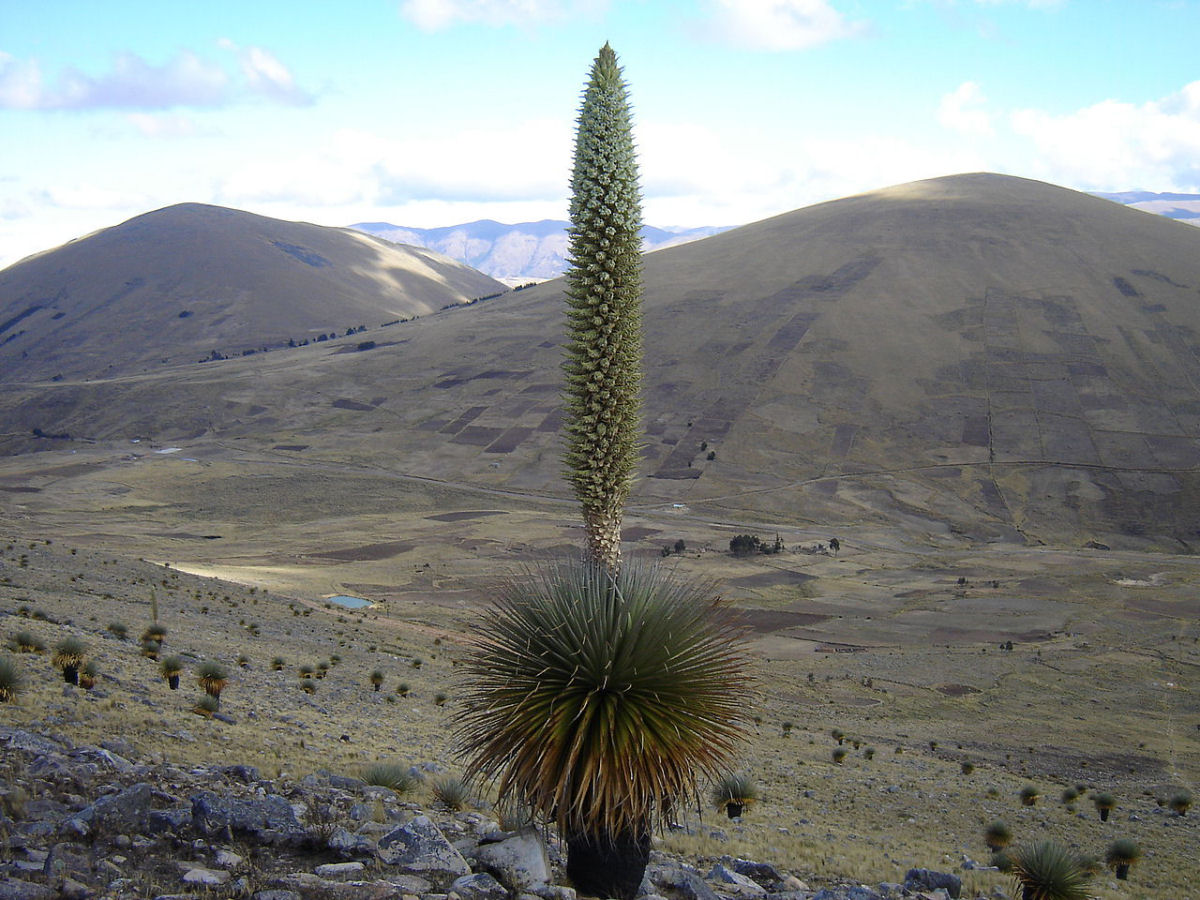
594 699
1049 871
604 319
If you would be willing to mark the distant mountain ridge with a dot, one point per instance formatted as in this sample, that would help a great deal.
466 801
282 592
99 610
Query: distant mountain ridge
515 254
1184 207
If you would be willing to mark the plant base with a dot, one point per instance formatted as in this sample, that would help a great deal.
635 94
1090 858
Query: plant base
608 866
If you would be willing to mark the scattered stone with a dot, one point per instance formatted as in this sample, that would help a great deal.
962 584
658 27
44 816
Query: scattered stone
519 862
479 887
419 848
205 877
339 870
733 884
928 880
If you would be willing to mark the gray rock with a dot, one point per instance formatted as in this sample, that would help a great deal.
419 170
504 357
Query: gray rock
339 870
348 843
205 877
419 848
928 880
265 818
128 811
677 882
15 889
855 892
519 862
66 860
173 819
479 887
763 873
731 883
553 892
276 895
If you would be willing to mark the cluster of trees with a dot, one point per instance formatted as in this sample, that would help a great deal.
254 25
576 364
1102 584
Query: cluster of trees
747 544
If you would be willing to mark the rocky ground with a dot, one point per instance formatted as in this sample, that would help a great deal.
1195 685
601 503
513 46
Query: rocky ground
89 822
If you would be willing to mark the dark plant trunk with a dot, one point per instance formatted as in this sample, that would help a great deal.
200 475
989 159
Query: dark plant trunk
602 865
1104 815
173 682
71 674
1122 871
733 810
377 687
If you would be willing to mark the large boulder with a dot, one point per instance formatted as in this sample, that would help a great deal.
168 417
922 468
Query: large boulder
419 848
519 862
929 880
268 819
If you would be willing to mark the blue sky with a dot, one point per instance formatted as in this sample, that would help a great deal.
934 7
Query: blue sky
433 112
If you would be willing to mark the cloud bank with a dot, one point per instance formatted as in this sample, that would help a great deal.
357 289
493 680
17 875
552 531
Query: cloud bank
185 80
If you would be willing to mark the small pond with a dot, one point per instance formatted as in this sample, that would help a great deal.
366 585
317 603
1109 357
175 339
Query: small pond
349 602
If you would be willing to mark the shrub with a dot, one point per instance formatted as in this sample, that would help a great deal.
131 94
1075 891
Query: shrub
1069 795
869 753
306 671
838 735
170 669
150 649
839 755
376 679
402 689
156 633
68 657
997 836
26 642
1048 871
1122 853
734 793
88 675
206 706
1105 804
1029 795
394 776
212 677
1180 802
968 768
440 699
11 681
278 663
119 630
452 792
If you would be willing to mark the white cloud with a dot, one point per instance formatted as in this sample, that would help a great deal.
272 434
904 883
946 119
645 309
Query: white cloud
133 83
1115 145
527 162
163 125
962 111
434 15
265 75
779 24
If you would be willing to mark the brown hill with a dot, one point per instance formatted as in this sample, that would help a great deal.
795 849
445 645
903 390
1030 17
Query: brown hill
977 355
176 284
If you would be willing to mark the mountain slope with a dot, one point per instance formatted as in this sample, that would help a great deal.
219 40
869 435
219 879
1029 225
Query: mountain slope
978 355
515 254
181 282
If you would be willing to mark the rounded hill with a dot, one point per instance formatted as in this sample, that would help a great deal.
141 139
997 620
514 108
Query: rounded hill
192 281
979 355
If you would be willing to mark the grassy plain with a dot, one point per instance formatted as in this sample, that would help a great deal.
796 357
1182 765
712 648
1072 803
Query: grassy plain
895 641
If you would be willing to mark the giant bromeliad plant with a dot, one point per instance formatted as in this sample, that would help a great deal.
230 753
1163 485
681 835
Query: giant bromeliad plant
598 692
